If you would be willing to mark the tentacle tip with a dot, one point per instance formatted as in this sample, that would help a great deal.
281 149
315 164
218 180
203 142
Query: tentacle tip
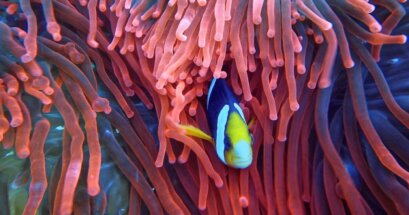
324 83
297 49
139 34
178 16
160 85
280 62
149 106
130 114
375 27
16 122
128 5
223 74
131 48
159 163
238 91
257 20
327 26
76 58
182 160
248 97
281 138
12 92
93 191
118 33
181 37
301 69
192 112
102 8
11 9
56 37
156 14
294 106
107 110
128 82
47 101
23 153
172 160
161 91
171 3
26 58
349 63
270 33
273 117
83 3
218 37
244 202
94 44
371 8
201 43
201 207
219 183
111 47
319 39
217 74
101 105
311 85
404 39
201 3
23 78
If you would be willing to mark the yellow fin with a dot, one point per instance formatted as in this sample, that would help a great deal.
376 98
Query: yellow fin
252 121
196 132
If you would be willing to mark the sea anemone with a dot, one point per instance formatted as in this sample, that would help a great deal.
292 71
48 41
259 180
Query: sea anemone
88 84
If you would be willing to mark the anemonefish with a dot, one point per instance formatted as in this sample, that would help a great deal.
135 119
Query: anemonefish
230 132
231 135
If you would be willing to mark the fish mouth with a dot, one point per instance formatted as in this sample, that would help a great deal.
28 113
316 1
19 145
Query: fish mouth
242 164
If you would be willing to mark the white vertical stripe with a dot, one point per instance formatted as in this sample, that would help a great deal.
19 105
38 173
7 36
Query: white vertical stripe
221 127
238 108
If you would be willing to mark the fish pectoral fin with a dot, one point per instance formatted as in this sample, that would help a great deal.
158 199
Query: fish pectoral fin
251 122
196 132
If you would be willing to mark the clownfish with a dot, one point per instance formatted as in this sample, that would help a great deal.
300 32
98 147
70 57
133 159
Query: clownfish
229 130
228 126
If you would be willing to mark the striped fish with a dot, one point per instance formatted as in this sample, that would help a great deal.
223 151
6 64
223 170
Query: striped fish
228 126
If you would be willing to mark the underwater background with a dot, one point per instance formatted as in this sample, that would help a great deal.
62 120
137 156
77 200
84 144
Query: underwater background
94 97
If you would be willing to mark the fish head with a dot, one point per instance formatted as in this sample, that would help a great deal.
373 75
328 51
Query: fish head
240 155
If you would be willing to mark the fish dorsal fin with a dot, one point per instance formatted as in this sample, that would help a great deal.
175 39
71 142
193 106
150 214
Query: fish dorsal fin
209 93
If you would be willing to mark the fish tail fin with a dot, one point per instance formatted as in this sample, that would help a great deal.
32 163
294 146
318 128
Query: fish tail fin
196 132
